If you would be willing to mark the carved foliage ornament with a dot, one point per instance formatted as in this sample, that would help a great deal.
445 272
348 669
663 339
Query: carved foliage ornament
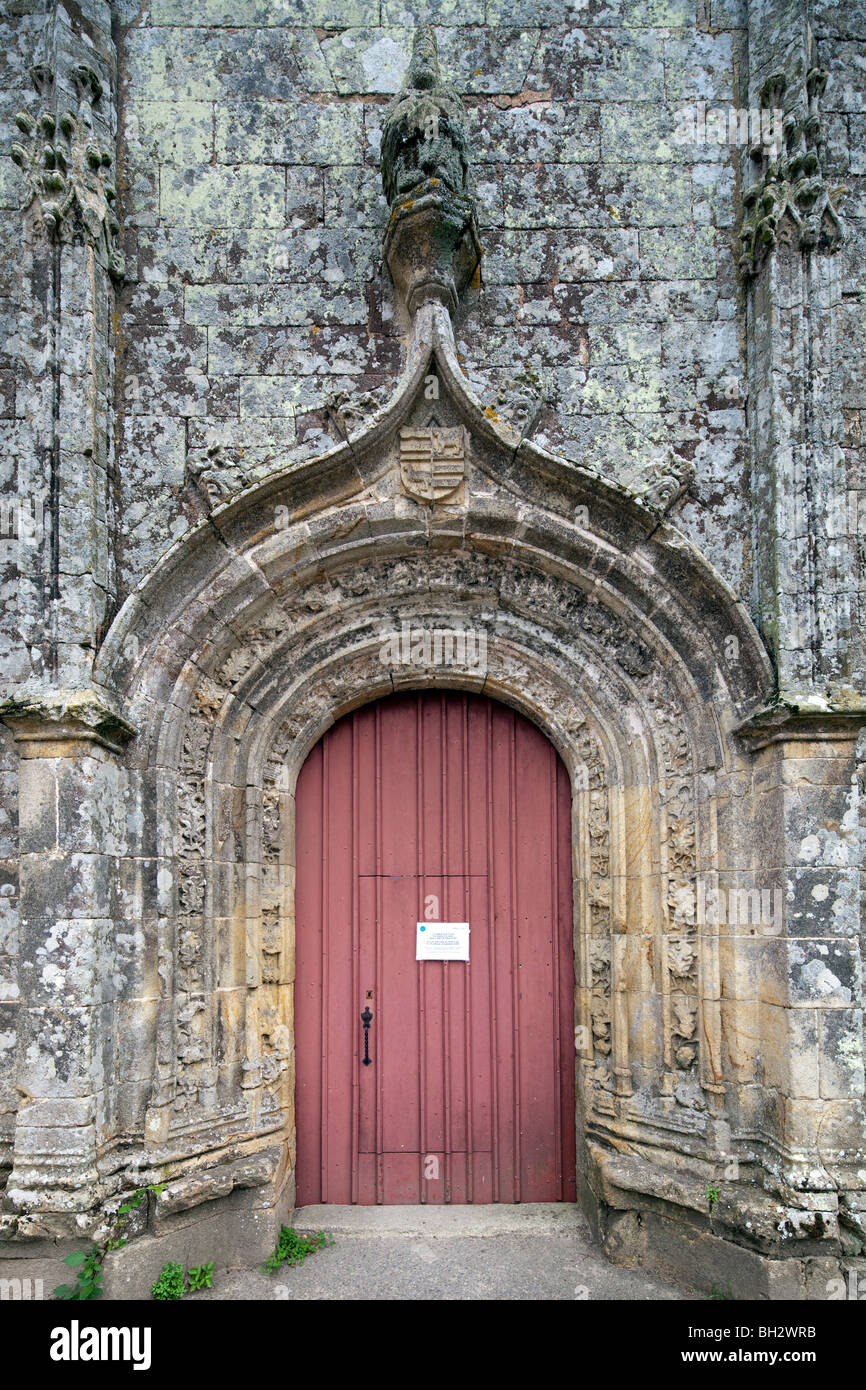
791 185
67 168
211 479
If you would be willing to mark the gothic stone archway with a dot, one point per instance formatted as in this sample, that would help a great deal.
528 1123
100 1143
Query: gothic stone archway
266 625
602 625
638 755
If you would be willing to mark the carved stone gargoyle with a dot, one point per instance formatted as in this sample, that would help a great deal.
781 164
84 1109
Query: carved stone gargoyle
431 245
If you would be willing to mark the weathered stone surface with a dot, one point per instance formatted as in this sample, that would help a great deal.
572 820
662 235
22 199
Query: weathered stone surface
655 518
431 244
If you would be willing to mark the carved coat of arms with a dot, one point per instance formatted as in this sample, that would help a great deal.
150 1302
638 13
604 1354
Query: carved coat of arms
432 461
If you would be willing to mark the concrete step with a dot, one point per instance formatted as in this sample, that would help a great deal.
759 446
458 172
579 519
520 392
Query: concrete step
493 1219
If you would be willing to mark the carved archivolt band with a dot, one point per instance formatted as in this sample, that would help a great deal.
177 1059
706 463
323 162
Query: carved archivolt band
247 713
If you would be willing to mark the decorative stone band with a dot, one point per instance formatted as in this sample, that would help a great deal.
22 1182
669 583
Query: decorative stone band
64 724
812 719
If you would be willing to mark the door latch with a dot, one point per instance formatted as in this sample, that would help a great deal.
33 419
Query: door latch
367 1019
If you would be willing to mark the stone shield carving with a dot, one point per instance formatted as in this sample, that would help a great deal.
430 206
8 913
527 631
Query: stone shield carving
432 462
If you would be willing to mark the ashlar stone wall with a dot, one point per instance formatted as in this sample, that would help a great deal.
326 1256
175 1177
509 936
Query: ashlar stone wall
656 373
254 219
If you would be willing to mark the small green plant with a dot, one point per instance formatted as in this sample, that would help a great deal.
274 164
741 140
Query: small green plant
721 1294
171 1283
293 1247
88 1281
200 1277
712 1195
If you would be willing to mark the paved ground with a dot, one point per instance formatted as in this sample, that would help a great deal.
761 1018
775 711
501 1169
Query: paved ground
523 1252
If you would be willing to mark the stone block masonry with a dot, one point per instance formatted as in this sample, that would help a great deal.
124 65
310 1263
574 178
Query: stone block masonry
251 249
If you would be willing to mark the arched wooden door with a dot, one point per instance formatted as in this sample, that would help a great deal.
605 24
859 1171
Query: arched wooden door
424 807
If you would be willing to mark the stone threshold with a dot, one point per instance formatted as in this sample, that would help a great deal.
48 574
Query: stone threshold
493 1219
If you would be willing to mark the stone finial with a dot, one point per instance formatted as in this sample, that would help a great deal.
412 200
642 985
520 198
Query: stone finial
431 244
424 135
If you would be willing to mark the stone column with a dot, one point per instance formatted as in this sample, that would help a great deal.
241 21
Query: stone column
72 828
804 963
804 539
68 270
808 976
67 741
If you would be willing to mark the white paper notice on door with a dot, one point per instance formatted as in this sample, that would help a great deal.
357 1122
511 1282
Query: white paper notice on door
442 941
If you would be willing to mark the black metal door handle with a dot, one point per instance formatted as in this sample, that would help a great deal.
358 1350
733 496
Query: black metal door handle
367 1019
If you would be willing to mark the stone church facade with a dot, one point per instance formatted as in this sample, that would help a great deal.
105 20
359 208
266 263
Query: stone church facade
542 327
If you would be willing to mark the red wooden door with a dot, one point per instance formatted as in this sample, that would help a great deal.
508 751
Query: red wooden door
448 806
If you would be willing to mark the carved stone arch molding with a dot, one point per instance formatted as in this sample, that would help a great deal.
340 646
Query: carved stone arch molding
602 625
